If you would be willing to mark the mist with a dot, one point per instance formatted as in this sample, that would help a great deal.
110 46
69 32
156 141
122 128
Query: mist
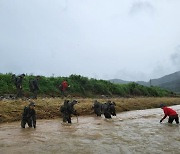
129 40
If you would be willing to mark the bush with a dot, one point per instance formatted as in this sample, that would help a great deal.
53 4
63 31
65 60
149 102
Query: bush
81 86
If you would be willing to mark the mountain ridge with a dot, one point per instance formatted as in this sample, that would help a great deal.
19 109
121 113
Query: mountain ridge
169 82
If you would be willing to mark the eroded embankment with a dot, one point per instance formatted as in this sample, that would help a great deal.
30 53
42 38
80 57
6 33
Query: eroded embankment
48 108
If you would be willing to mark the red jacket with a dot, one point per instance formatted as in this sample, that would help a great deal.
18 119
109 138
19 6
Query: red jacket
64 85
169 111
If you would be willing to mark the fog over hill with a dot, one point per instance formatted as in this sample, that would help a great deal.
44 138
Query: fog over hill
170 82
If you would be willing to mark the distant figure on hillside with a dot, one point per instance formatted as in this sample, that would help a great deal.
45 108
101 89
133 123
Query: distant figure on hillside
97 108
108 109
63 87
29 116
171 113
18 80
67 110
34 86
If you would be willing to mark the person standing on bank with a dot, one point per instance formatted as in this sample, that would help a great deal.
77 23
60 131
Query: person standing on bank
171 113
63 88
34 86
18 81
29 116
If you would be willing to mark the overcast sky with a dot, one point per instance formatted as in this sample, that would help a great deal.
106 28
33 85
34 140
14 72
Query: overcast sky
125 39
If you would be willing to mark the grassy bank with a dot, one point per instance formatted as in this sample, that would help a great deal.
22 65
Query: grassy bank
80 86
48 108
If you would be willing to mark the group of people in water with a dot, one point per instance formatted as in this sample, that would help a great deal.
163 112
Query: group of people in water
67 110
108 109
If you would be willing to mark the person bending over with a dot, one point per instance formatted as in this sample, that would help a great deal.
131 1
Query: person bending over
171 113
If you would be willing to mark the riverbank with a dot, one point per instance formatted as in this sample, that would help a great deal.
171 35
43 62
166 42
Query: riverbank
48 108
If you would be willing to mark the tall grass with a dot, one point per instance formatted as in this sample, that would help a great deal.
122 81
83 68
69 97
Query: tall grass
81 86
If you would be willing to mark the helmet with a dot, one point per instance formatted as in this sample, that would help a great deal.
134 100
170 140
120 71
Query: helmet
162 105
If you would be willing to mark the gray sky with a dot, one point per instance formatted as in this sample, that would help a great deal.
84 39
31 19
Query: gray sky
126 39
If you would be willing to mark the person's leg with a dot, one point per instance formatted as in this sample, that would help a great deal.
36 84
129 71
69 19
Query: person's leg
23 123
64 118
18 93
99 112
69 118
107 115
65 93
171 119
177 119
62 94
29 121
21 93
35 94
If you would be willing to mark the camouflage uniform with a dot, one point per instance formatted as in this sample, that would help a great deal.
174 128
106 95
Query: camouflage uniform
34 87
67 109
18 83
29 117
109 109
97 108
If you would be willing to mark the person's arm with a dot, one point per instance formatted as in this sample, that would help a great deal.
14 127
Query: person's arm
62 109
165 115
163 118
74 112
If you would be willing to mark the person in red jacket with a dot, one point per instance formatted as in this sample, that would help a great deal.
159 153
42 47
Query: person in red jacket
171 113
63 87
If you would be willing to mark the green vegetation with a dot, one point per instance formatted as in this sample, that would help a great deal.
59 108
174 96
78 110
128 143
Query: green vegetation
81 86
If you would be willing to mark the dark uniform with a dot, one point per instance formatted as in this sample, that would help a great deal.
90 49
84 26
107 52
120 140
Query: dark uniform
18 80
67 109
112 108
29 116
97 108
109 109
34 87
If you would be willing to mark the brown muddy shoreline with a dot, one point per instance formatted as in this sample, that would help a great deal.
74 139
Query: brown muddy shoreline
48 108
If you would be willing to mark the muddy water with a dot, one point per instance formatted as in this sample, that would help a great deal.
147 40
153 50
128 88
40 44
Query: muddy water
130 132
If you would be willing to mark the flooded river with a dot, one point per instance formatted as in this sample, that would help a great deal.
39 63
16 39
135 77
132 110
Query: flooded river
129 132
